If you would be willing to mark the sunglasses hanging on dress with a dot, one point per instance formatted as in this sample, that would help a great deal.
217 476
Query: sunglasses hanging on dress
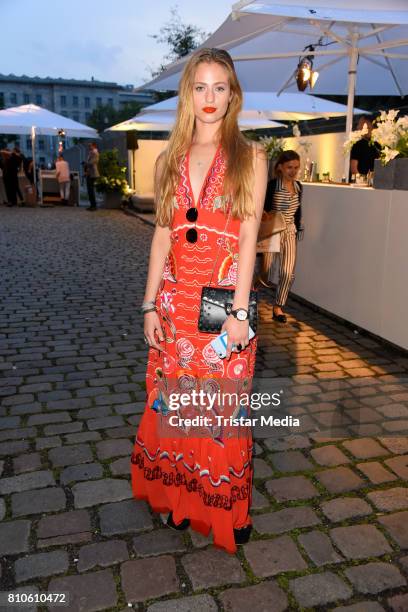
192 215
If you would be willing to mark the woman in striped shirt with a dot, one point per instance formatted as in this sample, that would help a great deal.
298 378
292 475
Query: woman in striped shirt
284 195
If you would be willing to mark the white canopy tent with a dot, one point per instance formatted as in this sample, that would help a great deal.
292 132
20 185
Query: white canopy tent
36 121
285 107
163 121
360 46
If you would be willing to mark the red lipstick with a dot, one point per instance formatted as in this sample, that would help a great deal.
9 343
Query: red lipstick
209 109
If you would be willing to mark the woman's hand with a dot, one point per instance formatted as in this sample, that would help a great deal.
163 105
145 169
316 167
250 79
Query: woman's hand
237 333
151 327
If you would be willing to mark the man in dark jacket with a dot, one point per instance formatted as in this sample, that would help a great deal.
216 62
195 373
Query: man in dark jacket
11 167
92 173
363 153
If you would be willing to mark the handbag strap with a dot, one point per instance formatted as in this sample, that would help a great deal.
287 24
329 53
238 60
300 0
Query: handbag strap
219 247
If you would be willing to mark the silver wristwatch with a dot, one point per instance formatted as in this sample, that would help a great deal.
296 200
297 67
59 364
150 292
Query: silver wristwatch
240 313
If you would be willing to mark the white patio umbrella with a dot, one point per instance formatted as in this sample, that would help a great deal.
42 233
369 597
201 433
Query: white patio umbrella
360 46
268 105
163 121
36 121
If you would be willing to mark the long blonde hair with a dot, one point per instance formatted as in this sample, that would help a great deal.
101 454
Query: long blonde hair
239 176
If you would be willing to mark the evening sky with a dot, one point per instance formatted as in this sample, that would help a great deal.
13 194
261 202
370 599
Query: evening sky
106 39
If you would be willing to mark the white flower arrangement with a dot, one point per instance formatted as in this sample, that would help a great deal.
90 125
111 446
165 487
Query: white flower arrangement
392 135
273 146
354 137
296 130
304 145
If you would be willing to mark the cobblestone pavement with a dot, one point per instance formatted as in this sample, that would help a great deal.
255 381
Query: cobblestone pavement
330 512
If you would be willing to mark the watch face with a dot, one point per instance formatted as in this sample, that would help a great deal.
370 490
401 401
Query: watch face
241 314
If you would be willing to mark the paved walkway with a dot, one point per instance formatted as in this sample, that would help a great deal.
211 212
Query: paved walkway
330 508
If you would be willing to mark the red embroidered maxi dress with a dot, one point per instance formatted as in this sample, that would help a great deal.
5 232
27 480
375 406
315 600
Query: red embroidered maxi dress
205 479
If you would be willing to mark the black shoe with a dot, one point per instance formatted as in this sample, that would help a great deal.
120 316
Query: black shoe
279 317
185 523
91 208
241 536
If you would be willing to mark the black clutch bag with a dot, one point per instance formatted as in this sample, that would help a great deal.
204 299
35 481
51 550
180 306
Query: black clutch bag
215 306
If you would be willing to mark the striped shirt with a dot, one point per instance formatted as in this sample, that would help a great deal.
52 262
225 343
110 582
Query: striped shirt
286 202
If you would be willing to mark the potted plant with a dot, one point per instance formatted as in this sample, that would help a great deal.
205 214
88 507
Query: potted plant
391 133
112 180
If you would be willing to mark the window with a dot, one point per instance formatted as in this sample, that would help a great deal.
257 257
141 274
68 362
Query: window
87 102
28 142
26 98
75 116
87 116
110 101
1 99
38 99
64 113
74 100
63 100
99 101
41 145
13 98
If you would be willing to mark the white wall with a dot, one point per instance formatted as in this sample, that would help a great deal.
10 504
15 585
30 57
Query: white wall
352 261
326 151
144 159
394 303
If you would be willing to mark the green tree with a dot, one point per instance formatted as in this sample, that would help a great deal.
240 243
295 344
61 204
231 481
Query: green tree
181 38
105 116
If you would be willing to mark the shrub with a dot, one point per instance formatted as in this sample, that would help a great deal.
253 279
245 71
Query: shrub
112 177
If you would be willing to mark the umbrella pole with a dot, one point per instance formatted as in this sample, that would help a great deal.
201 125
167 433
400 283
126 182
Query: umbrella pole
350 98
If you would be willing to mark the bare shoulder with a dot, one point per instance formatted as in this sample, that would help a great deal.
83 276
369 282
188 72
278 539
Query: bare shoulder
258 151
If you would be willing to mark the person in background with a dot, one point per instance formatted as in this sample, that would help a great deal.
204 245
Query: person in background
11 167
284 195
63 178
363 152
4 155
92 173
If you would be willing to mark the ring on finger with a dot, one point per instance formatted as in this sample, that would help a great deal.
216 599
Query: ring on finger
146 340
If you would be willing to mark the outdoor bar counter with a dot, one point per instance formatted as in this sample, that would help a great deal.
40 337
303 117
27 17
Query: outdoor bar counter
354 257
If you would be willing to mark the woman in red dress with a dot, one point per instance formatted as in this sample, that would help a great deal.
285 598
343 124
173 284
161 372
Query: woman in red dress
210 190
